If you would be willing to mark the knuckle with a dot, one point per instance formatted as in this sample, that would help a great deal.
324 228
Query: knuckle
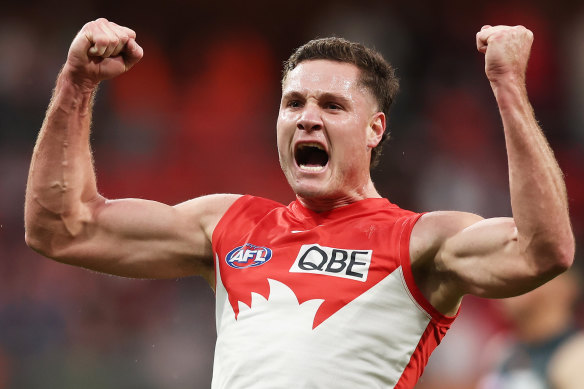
101 40
89 25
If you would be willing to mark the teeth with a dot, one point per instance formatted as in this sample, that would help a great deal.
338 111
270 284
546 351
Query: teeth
312 168
312 144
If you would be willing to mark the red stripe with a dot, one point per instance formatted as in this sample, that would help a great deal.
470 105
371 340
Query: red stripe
409 277
415 367
438 325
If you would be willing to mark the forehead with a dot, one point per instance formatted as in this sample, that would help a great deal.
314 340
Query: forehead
324 76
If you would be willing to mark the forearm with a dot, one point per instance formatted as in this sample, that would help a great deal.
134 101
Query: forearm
61 179
538 193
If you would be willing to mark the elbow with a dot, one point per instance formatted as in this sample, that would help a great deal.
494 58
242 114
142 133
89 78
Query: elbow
560 264
565 252
49 233
38 230
39 227
46 237
565 255
555 257
32 231
36 244
39 242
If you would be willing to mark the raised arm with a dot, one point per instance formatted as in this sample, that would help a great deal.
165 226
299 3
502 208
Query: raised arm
456 253
68 220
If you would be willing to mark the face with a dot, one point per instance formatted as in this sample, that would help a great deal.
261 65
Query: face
327 125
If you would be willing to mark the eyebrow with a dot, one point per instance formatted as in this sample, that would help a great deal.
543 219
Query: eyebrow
292 95
324 96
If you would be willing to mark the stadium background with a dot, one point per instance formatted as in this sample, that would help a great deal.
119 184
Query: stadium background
197 116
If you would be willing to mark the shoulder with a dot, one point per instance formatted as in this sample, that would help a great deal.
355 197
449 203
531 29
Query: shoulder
208 204
207 210
429 238
210 210
433 228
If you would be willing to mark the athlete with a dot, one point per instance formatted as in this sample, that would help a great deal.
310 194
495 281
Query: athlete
341 287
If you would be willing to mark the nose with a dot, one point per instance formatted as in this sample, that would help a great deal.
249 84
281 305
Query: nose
310 119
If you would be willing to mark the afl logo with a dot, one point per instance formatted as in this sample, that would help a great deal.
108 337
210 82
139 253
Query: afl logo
248 255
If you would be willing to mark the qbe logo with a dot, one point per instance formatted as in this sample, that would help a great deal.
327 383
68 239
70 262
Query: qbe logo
248 255
317 259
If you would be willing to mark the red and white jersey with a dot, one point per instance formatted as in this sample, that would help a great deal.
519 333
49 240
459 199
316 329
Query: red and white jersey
319 300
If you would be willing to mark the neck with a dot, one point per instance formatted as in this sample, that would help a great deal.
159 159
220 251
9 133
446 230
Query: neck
327 203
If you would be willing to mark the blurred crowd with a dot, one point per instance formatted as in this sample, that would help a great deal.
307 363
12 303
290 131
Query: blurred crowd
197 116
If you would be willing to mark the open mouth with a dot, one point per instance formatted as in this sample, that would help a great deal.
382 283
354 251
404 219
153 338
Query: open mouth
311 156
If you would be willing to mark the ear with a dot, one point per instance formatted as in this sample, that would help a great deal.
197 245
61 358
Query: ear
376 129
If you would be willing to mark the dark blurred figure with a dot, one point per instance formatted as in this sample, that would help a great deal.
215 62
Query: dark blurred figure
545 349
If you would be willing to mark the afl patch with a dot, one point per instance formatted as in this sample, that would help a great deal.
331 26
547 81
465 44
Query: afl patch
248 255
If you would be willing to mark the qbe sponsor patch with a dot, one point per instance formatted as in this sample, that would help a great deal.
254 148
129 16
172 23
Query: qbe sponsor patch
344 263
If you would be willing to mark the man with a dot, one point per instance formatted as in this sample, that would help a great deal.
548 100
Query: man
340 286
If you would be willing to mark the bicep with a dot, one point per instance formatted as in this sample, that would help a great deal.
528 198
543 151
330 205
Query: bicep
147 239
484 259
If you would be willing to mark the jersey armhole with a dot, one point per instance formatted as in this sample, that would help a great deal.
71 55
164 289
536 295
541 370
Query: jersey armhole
405 260
252 208
225 219
220 228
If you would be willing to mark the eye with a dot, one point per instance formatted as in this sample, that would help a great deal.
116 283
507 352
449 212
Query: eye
293 104
333 106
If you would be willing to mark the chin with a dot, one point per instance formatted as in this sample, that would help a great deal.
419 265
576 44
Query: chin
313 191
310 194
309 191
309 186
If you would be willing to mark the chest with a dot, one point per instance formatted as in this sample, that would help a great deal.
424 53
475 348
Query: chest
334 262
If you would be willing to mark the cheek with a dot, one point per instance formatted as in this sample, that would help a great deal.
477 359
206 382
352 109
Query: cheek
352 133
283 135
285 121
287 117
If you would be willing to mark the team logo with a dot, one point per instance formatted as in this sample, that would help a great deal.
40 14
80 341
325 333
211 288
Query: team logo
248 255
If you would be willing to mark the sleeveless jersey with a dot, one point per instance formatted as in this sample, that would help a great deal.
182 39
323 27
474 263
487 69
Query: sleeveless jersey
319 300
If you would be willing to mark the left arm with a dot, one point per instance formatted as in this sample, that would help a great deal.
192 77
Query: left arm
505 256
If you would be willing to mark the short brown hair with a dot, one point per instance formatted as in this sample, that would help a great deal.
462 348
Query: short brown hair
377 75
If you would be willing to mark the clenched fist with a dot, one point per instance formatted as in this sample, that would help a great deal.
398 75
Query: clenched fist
100 51
506 52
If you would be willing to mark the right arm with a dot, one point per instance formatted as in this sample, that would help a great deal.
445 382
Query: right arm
68 220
